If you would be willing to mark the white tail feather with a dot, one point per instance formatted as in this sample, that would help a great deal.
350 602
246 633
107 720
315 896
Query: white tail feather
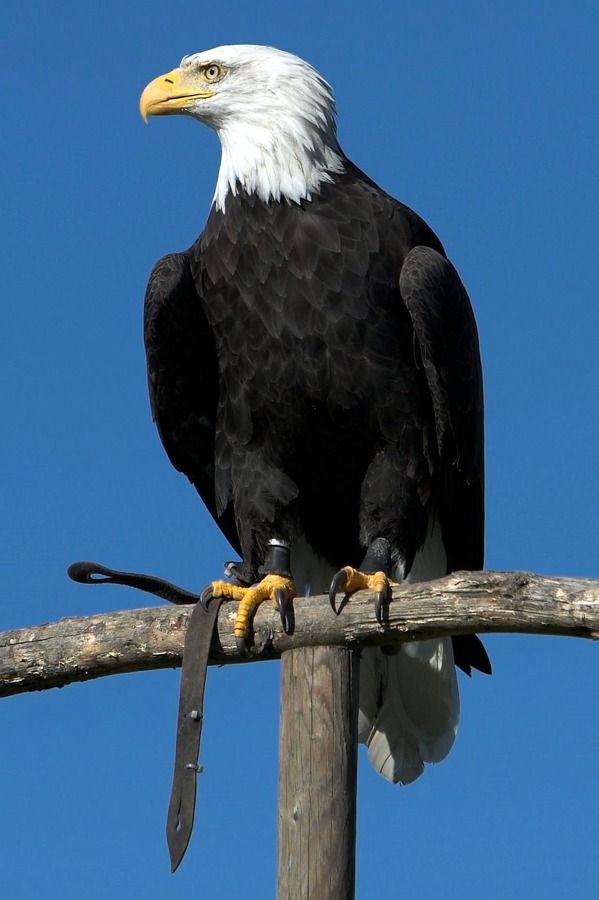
409 700
409 707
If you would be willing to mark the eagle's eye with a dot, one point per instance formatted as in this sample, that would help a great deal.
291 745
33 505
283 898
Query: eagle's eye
212 72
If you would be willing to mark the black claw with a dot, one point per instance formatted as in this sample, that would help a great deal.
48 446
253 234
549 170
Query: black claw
206 596
282 604
243 647
379 599
337 584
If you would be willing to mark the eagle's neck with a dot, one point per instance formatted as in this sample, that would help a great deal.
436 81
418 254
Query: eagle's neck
286 159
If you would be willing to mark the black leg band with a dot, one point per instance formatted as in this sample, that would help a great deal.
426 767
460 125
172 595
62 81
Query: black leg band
277 560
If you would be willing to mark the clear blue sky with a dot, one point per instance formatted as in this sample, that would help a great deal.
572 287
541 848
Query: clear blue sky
483 117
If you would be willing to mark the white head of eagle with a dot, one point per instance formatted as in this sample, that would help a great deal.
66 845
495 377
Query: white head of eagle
274 114
314 370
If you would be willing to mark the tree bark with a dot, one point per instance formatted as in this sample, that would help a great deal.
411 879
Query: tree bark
77 649
318 765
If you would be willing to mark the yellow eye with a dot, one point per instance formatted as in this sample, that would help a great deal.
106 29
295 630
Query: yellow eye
212 72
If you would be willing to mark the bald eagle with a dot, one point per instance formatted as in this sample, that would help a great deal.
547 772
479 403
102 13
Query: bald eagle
314 370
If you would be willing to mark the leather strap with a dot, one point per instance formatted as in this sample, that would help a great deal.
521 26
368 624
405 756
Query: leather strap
179 820
94 573
200 628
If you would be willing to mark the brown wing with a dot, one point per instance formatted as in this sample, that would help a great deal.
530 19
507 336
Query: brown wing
183 378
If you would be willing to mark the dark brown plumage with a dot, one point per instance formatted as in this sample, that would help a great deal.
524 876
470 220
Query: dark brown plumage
320 362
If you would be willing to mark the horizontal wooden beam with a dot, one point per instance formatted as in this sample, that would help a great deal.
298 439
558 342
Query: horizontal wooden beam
78 649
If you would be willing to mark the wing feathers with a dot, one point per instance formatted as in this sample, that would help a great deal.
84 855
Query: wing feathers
183 377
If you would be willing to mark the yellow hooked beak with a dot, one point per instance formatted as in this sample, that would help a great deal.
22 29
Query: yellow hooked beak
169 94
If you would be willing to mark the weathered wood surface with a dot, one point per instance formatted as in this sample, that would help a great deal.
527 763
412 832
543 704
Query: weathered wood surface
77 649
317 774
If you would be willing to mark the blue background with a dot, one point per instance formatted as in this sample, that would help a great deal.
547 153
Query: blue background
483 117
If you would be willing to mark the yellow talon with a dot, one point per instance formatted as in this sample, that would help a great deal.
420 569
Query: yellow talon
359 581
229 591
252 597
349 580
380 582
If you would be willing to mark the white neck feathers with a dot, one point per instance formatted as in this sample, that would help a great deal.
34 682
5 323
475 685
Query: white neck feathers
276 162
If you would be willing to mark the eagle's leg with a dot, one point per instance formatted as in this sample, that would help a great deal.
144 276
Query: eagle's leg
276 585
373 574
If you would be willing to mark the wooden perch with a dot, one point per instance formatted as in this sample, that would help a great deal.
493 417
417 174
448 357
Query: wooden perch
77 649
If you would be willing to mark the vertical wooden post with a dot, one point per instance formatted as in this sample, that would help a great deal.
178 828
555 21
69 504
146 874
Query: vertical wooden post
318 774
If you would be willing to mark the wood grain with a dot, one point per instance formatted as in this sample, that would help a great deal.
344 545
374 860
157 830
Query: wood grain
317 774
